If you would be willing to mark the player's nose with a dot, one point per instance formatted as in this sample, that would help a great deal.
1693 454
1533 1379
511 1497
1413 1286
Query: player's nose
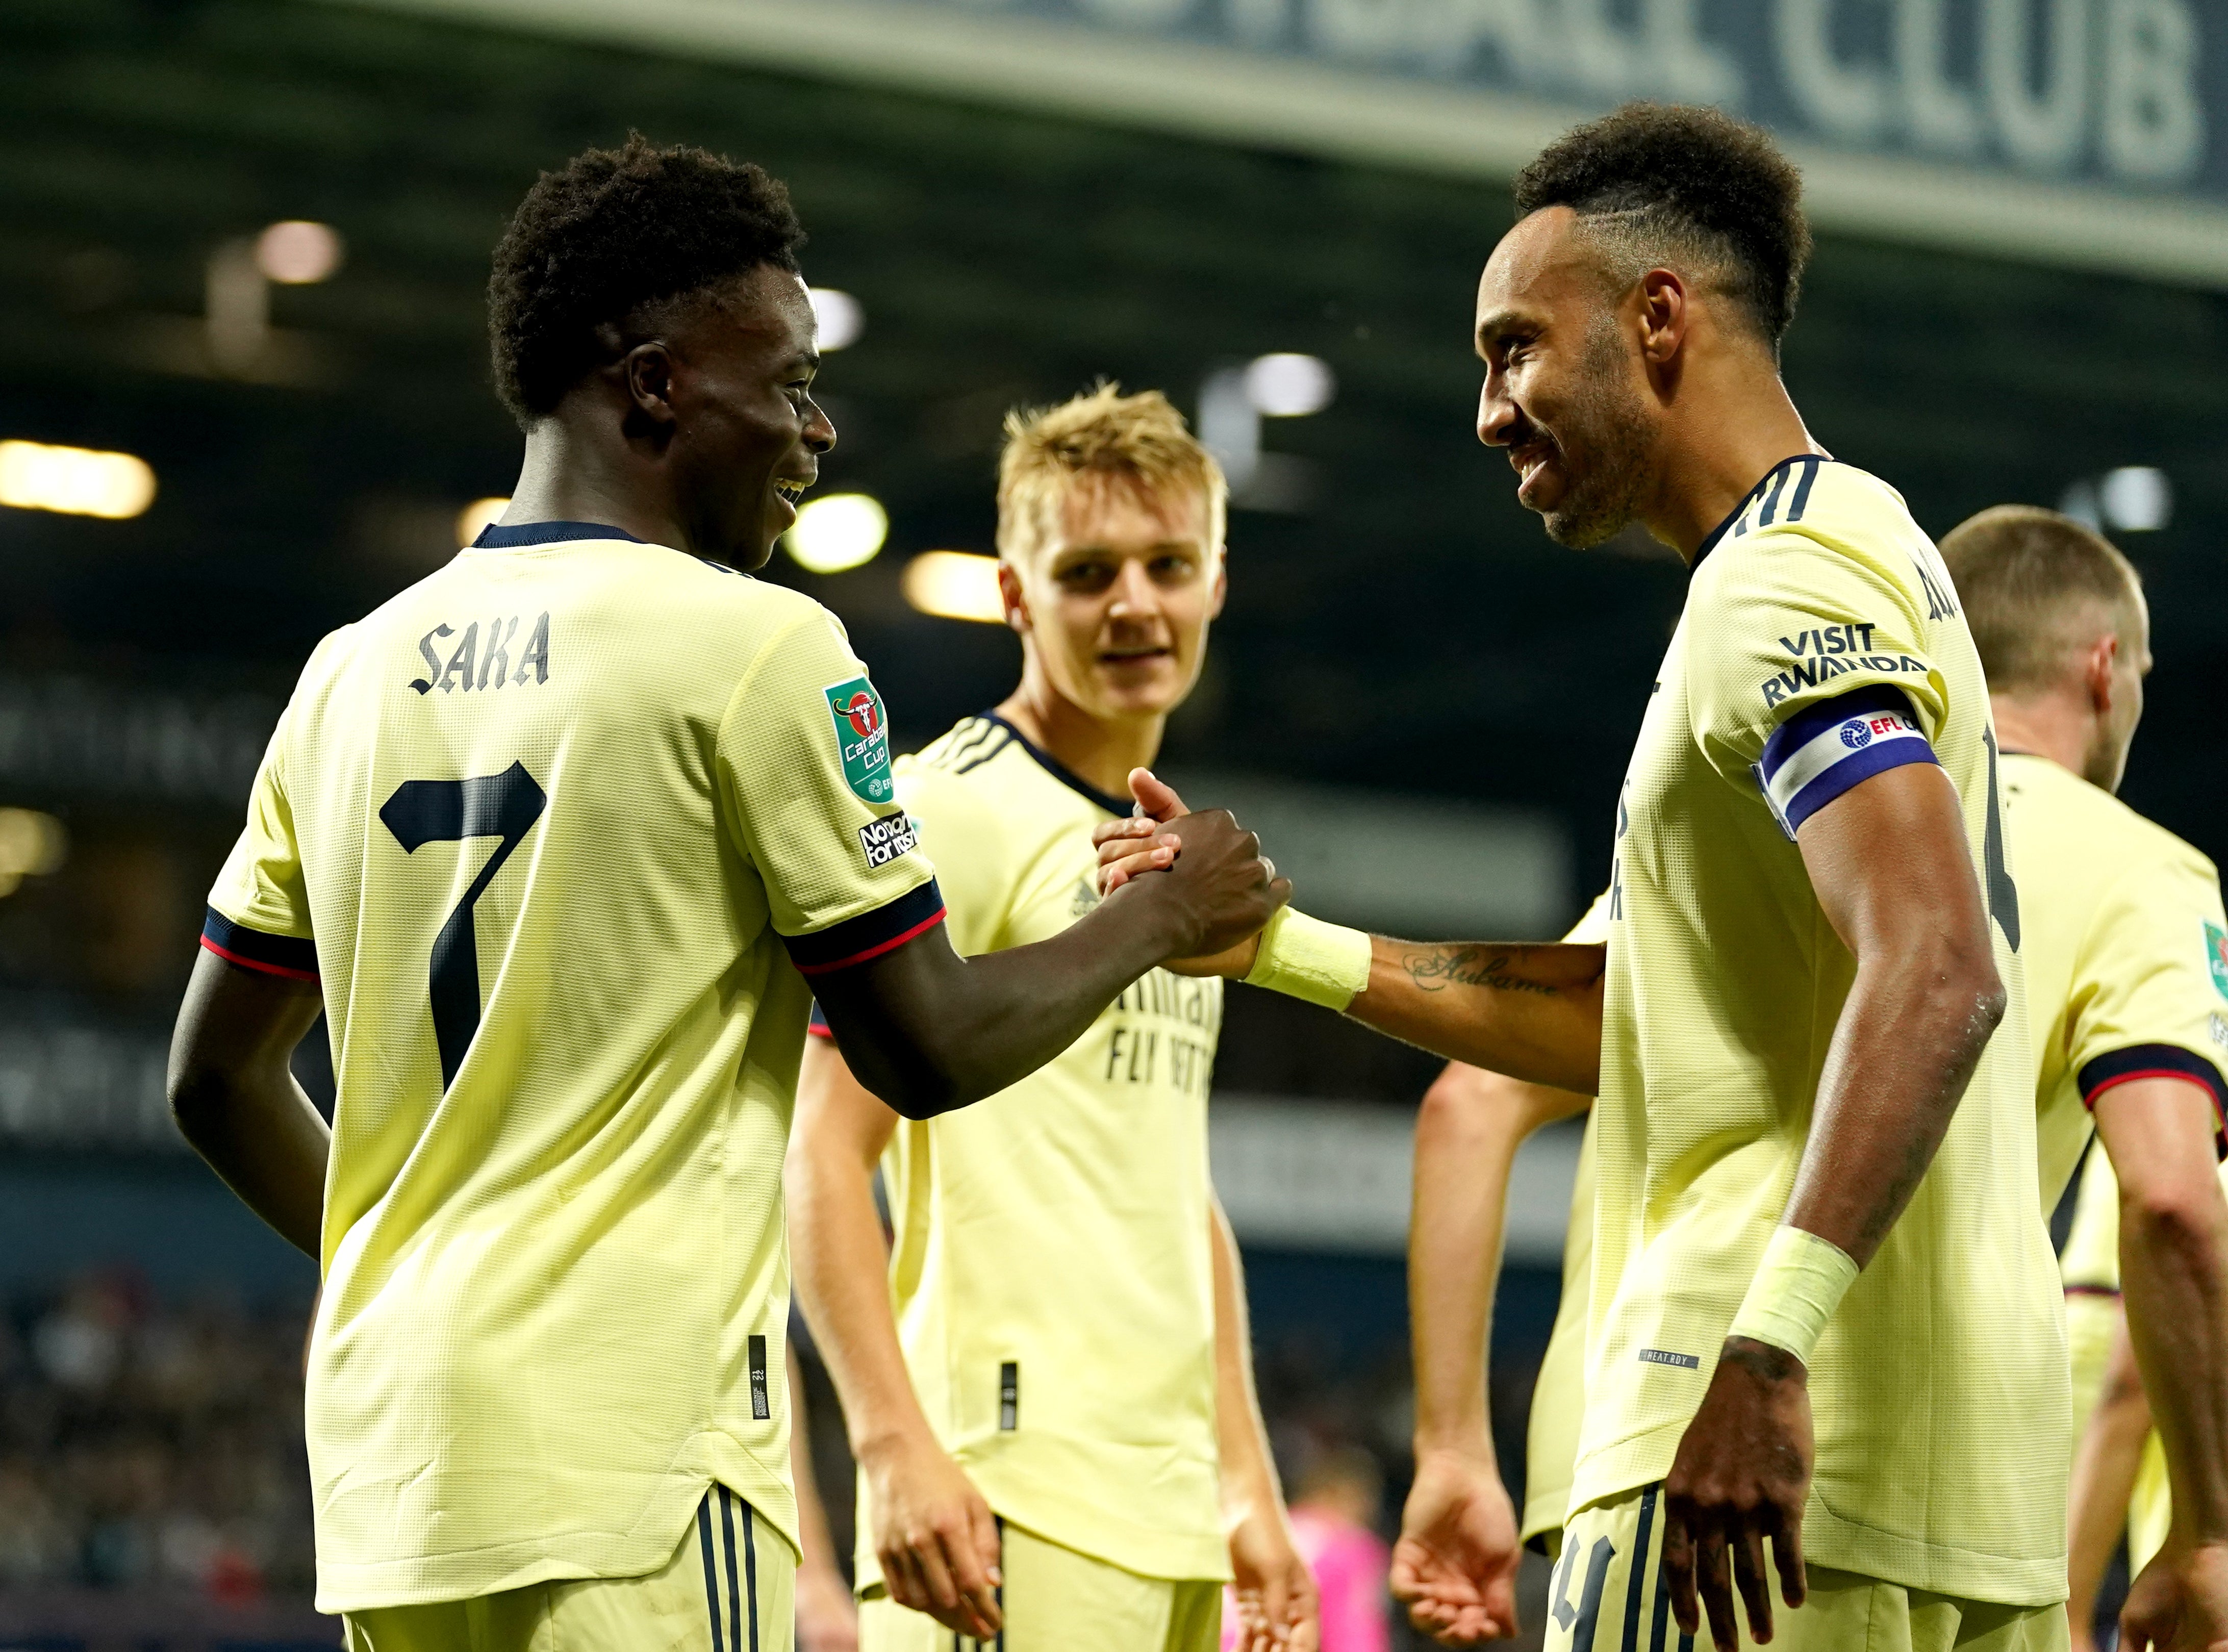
1135 595
1496 411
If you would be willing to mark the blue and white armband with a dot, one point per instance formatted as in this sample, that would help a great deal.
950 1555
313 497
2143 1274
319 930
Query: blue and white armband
1832 745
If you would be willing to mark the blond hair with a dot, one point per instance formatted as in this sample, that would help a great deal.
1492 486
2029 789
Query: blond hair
1099 439
2032 583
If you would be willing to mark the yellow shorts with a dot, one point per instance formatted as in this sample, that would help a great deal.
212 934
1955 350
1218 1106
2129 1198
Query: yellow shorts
1602 1598
730 1587
1055 1597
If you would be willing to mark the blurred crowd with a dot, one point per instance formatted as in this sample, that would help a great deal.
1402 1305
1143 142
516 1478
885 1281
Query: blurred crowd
146 1445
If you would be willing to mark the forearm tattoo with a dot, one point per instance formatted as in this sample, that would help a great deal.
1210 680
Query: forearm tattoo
1434 968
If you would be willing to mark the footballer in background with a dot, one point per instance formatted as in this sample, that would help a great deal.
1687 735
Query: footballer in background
2129 987
1045 1377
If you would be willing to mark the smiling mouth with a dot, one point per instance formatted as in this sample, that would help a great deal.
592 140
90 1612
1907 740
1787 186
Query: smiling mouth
1134 655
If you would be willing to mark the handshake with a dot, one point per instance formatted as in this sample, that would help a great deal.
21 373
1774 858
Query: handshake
1218 890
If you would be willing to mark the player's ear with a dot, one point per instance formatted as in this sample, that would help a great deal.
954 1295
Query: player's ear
2096 668
647 371
1221 593
1664 315
1009 594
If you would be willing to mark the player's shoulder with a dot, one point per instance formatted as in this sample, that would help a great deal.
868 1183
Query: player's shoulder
2047 802
985 768
1809 514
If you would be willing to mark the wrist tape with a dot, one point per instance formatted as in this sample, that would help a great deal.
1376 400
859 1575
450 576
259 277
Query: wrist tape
1800 1281
1304 957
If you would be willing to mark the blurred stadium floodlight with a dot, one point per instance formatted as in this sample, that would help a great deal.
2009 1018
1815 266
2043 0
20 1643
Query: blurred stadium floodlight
1421 867
837 531
955 585
297 252
293 252
75 481
1288 385
479 514
31 845
1233 401
2134 499
1331 1175
838 318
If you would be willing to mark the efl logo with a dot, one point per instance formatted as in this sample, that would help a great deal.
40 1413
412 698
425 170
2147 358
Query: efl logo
1858 732
882 840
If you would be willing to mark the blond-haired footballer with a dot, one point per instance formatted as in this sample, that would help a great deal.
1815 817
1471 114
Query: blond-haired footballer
1045 1376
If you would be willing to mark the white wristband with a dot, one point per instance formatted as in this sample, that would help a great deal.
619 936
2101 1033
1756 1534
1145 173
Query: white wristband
1797 1286
1304 957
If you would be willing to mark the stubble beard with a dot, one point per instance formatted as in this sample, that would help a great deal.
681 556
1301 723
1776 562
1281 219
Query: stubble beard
1608 423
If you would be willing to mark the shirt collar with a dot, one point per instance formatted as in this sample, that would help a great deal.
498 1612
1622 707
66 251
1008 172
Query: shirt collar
501 536
1059 771
1762 482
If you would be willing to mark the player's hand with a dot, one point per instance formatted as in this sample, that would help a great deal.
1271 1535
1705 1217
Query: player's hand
1278 1610
1741 1475
1140 843
1454 1565
1135 844
936 1538
1218 885
826 1616
2179 1603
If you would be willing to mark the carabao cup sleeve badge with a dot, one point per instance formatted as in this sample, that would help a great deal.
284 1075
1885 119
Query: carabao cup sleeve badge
863 737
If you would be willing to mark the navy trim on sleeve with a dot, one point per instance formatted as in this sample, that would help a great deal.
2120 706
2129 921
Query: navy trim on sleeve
497 537
817 1026
252 949
2152 1061
1824 749
869 935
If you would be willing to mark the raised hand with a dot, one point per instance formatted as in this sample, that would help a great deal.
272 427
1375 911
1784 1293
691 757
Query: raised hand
936 1538
1741 1475
1454 1565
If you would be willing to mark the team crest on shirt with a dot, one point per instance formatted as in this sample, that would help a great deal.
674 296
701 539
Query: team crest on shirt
2215 956
863 737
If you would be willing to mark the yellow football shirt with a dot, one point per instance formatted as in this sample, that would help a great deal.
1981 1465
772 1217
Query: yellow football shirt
558 827
1821 643
2127 952
1558 1392
1051 1272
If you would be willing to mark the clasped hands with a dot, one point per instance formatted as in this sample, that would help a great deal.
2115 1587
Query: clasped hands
1137 844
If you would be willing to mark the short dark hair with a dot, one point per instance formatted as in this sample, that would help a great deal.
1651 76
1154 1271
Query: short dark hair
613 230
1692 178
2034 585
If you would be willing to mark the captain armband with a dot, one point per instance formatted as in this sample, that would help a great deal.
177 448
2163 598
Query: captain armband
1304 957
1797 1286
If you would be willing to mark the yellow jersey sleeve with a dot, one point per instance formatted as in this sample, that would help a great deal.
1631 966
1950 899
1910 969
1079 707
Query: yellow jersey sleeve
978 864
1812 673
259 910
2150 997
805 778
